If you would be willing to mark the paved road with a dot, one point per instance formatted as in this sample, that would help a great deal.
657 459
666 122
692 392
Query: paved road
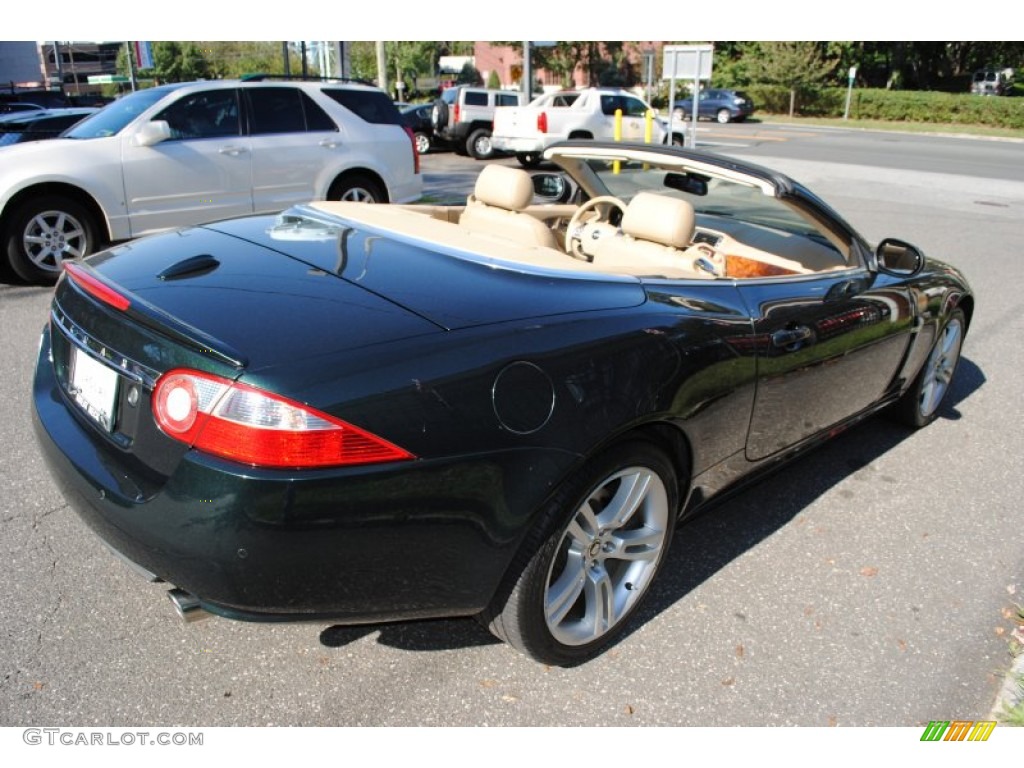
978 158
865 585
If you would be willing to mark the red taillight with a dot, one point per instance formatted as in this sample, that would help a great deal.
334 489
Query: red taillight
415 152
96 287
455 113
251 426
542 122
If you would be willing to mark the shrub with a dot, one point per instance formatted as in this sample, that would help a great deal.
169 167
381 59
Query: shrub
896 106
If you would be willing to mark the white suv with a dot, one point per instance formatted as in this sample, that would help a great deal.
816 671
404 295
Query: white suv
184 154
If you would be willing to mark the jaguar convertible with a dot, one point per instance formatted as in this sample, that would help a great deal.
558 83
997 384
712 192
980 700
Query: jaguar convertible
356 413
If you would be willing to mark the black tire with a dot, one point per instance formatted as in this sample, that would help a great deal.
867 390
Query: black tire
43 232
723 116
919 405
549 607
478 145
528 159
423 142
357 187
678 140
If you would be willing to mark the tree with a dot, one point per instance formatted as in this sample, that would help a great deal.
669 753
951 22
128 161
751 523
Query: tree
175 62
469 75
411 58
795 65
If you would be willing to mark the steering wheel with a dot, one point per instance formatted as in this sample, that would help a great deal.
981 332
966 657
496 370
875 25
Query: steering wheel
574 232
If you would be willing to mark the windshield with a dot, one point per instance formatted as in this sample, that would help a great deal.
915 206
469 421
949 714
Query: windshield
715 201
115 116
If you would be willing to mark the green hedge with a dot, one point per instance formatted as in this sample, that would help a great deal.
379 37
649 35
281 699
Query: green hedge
881 104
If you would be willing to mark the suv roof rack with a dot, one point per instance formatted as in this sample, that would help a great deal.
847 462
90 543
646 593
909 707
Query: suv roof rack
260 76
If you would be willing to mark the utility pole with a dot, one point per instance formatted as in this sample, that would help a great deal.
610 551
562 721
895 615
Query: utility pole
382 67
342 66
527 85
130 55
57 59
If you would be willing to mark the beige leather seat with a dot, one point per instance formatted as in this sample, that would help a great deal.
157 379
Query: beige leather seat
496 205
656 237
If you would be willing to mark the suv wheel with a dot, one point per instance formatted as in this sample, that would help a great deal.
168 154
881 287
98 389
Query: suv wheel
44 232
724 116
479 144
357 188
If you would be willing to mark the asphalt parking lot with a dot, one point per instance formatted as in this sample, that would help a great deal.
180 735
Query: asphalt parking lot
869 584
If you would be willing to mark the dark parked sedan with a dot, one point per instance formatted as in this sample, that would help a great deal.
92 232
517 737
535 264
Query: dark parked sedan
718 104
39 124
418 118
360 413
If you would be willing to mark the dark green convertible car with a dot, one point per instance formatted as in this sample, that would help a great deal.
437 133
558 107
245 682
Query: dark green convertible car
361 413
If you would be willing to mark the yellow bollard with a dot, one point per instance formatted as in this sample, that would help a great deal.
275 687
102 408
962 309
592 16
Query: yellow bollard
648 129
617 136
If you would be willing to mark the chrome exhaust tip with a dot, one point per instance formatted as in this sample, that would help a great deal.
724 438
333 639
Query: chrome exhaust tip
187 605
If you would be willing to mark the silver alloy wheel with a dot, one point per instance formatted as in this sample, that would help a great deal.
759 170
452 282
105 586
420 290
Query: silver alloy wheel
940 367
724 116
422 143
358 195
607 556
482 146
51 236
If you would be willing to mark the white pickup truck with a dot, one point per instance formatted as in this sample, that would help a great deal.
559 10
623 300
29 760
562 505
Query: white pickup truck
585 114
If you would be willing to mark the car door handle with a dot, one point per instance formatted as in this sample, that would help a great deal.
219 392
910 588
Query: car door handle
787 337
234 151
329 143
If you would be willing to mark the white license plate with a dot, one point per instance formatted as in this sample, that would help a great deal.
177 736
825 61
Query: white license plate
94 387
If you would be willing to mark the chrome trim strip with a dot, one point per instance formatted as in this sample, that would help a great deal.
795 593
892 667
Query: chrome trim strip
124 365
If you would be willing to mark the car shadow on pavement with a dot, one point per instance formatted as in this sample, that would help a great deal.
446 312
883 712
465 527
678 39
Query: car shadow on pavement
423 635
706 544
727 529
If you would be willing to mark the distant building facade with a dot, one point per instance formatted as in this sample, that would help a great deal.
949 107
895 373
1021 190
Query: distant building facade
508 63
20 65
72 63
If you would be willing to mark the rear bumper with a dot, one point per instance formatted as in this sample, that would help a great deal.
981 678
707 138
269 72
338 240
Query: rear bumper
355 545
519 144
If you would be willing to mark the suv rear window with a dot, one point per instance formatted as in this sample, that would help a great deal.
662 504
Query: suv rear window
507 100
372 106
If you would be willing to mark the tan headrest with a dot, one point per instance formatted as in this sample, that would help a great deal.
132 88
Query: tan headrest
504 187
660 219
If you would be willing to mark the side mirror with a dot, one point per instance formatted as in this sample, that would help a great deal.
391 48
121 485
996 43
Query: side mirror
152 133
898 258
551 188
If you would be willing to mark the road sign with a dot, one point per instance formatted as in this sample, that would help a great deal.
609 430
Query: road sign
688 62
